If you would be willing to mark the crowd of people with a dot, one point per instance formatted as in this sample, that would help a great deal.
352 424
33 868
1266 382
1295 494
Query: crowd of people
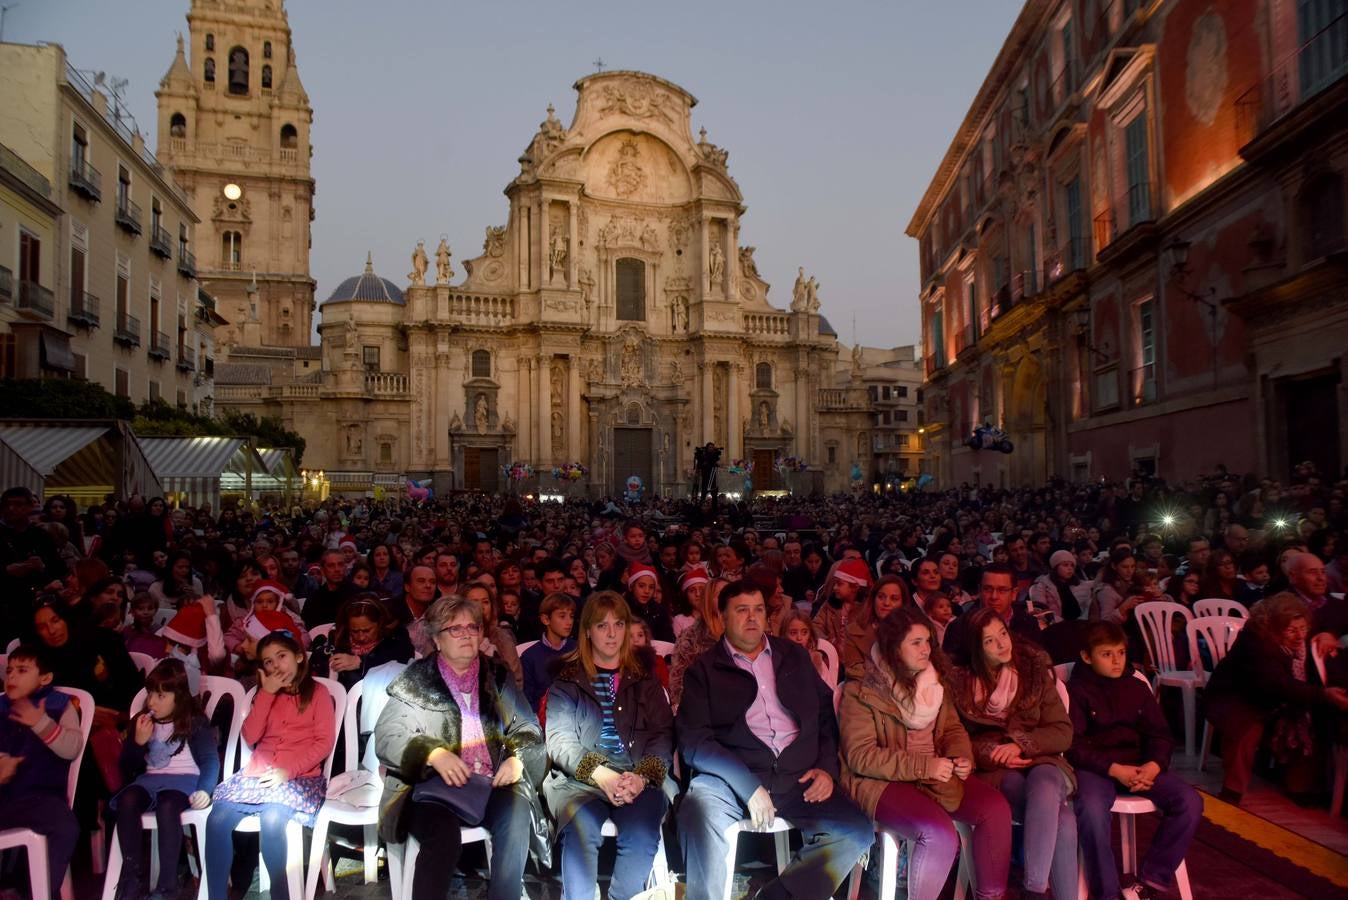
911 662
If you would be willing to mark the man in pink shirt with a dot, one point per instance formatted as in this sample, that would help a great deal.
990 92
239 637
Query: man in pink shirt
758 733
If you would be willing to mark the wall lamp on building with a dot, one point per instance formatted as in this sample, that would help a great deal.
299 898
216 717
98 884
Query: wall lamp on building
1082 316
1177 253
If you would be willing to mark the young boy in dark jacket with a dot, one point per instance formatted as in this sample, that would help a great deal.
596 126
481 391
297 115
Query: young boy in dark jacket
1121 743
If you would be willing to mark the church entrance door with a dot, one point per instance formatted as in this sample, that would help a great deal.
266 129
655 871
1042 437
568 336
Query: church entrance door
765 474
481 469
632 456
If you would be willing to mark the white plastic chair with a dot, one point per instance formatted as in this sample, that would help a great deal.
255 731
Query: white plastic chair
1219 633
144 661
216 689
294 831
402 859
1219 606
520 648
780 829
342 813
889 866
321 631
1128 807
39 880
1155 620
830 661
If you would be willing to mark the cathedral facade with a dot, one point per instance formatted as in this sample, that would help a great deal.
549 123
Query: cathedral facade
614 319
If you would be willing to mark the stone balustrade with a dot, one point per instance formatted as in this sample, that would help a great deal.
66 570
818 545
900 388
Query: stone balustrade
842 399
385 383
767 323
477 309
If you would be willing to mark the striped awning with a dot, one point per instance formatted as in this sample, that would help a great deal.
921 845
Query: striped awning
84 459
389 480
194 469
44 447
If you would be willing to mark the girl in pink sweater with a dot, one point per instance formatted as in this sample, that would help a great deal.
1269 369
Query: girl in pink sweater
291 728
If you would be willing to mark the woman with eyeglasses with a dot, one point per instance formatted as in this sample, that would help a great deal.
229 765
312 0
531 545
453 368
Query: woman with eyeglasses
457 715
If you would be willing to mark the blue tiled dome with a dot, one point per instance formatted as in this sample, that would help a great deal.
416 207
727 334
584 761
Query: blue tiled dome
367 287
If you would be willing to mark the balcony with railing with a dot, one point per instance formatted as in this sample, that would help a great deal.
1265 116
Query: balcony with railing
1318 65
767 324
1024 284
160 242
843 399
36 300
1069 258
187 359
128 215
159 346
1105 386
187 262
1142 384
382 384
968 339
85 180
1136 207
6 284
127 332
83 309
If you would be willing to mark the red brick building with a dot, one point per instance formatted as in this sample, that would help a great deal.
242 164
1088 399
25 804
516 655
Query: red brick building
1133 253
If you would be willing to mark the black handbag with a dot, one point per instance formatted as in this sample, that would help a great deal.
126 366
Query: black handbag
468 803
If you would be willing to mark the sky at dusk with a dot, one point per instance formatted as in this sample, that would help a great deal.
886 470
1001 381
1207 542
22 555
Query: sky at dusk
835 116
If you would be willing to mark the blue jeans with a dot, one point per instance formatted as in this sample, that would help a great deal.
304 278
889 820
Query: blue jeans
1181 810
436 828
638 826
1039 801
835 834
220 824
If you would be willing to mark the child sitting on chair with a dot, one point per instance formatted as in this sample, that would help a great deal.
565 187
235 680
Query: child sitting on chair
1121 745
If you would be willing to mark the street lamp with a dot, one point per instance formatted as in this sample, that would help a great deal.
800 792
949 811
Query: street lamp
1177 251
1082 316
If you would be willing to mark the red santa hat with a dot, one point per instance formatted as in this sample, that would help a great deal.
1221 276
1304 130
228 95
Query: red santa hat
639 570
264 622
694 576
187 627
853 571
348 542
269 587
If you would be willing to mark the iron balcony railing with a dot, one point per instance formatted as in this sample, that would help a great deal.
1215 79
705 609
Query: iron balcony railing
159 345
1068 258
187 263
127 331
35 298
6 284
160 242
128 215
83 309
187 358
1142 382
86 180
1134 208
1316 65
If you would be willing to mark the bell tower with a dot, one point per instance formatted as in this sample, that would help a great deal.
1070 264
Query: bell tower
234 125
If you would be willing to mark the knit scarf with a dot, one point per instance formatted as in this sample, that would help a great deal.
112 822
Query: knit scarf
629 556
465 691
998 704
917 709
363 648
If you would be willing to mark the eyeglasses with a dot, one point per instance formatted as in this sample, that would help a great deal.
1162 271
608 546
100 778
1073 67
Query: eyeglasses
458 631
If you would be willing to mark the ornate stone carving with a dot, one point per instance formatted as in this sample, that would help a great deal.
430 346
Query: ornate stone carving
419 264
231 210
710 152
718 403
716 263
595 373
557 255
675 372
800 292
748 268
586 286
480 413
764 416
561 304
625 175
507 424
455 422
494 243
631 368
628 231
558 394
680 230
679 314
443 270
639 100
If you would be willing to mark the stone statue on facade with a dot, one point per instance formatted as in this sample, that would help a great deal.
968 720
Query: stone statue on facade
480 414
680 313
748 268
586 287
856 363
557 255
420 262
764 416
812 296
631 362
716 264
800 292
443 270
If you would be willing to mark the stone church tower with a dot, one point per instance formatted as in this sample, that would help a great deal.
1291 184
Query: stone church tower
234 125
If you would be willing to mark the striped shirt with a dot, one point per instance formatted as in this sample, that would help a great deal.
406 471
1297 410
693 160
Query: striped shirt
605 686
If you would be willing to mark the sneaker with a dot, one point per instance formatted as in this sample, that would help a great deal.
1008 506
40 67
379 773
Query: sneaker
1138 890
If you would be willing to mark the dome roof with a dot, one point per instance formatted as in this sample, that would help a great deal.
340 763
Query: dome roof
367 287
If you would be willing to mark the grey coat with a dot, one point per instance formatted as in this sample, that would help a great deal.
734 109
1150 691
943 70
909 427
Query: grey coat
421 716
642 718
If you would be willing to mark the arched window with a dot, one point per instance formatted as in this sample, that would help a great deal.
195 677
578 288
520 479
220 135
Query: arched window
289 136
266 49
238 71
266 77
481 364
210 42
208 70
631 282
178 125
763 376
231 249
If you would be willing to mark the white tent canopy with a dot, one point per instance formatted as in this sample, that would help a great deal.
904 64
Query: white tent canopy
196 470
86 459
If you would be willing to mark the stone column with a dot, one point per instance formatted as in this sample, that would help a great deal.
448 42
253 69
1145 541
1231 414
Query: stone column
803 419
440 411
708 425
734 428
572 270
542 452
573 406
545 242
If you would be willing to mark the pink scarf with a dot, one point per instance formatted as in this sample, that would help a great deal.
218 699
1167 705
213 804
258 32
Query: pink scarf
464 690
999 703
